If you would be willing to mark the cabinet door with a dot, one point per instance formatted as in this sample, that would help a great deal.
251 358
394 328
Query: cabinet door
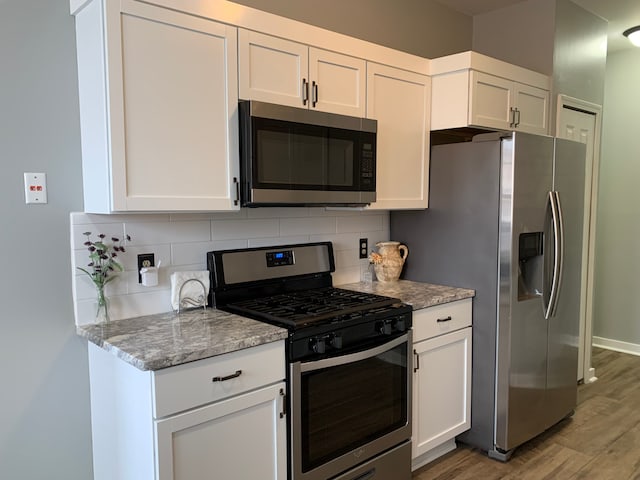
337 83
272 69
441 389
173 102
400 102
532 104
236 439
491 101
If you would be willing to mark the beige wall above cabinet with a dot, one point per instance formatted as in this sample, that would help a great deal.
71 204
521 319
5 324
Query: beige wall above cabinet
470 89
400 102
158 100
289 73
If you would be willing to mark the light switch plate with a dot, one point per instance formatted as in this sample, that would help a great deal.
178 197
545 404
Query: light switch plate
35 188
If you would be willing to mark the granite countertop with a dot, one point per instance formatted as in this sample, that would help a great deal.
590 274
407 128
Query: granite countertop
417 294
158 341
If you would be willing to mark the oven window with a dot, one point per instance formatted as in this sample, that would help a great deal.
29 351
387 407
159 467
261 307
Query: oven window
292 156
347 406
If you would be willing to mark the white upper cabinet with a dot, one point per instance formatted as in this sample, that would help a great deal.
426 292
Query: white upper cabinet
158 109
284 72
400 102
470 89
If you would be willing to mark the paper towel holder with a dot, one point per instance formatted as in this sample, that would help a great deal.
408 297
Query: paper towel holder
190 302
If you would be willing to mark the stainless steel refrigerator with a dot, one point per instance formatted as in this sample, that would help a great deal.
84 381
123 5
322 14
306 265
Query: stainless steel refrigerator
505 218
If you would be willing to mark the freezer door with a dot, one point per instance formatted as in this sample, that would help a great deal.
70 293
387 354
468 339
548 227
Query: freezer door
564 324
527 172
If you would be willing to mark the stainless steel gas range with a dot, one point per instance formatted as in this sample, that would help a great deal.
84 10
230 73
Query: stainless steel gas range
348 356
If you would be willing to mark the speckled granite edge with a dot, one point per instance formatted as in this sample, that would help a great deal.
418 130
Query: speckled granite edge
159 341
417 294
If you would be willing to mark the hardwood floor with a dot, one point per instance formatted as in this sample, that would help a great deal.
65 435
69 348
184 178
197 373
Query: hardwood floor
601 440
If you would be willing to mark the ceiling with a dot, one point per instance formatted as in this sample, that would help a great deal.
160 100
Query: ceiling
621 14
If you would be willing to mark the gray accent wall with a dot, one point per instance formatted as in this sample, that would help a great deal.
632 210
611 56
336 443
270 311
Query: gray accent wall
616 306
44 414
421 27
522 34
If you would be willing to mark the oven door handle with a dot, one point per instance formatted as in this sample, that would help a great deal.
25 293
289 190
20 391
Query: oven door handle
353 357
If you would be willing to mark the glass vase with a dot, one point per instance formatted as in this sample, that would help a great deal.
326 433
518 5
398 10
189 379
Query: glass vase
102 307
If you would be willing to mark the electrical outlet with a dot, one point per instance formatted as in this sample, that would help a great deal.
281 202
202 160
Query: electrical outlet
363 247
145 260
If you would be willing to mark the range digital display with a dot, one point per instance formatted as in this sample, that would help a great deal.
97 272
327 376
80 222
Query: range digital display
280 259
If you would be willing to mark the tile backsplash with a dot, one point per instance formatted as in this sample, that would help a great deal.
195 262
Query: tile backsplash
180 242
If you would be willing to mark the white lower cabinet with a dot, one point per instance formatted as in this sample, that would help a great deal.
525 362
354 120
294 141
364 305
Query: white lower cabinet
441 379
180 423
239 438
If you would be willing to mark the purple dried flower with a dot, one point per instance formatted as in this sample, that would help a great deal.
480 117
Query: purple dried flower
102 235
115 239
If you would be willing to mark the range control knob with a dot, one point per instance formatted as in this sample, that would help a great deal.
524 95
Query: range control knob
336 341
401 325
384 328
317 345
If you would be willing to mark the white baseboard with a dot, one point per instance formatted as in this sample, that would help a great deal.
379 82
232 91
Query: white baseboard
617 345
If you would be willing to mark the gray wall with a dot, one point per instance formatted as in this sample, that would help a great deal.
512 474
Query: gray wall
44 414
420 27
580 55
522 34
616 306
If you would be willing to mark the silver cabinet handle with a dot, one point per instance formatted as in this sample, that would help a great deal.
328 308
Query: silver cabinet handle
417 367
445 319
512 112
305 91
283 395
314 93
228 377
516 115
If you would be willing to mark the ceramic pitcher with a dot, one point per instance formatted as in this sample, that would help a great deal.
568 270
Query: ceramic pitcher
393 256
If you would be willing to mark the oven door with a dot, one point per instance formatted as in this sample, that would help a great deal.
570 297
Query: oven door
347 409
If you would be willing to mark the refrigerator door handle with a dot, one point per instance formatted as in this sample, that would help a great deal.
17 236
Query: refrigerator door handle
557 255
559 252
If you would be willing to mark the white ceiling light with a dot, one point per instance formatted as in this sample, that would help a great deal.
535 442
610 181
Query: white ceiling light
633 34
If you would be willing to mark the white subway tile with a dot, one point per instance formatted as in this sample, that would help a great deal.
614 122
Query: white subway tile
274 241
167 232
346 275
341 241
307 226
278 212
360 223
191 253
188 217
241 229
108 229
347 258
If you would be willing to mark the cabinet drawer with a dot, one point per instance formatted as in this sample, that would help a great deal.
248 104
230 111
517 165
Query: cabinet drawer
186 386
433 321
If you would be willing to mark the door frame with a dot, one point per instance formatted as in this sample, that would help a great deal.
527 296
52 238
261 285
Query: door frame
586 309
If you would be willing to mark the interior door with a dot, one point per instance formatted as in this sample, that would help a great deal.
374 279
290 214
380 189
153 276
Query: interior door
522 328
579 125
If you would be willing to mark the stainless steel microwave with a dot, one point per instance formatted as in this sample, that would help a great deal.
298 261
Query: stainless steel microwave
292 156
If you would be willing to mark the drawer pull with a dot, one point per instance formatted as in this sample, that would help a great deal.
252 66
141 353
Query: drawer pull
445 319
228 377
